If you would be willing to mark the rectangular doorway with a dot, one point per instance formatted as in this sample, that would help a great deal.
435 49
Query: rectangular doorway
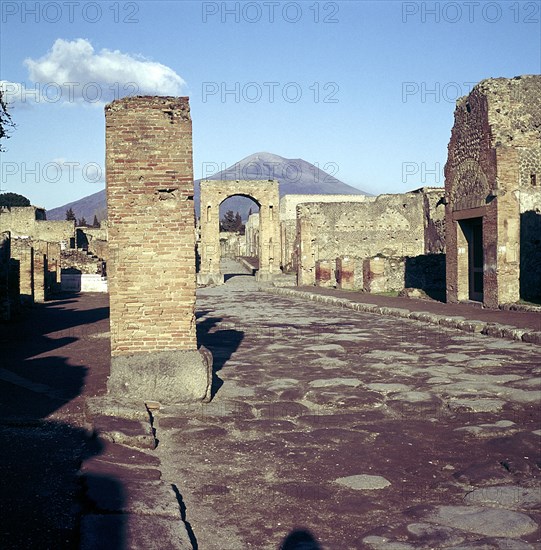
473 232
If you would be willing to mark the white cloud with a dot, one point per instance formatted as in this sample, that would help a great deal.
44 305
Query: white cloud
73 72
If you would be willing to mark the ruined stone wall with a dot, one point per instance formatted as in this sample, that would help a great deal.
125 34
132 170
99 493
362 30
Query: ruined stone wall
94 239
391 225
434 212
288 221
78 261
232 245
151 224
25 221
99 248
383 274
289 203
493 160
252 236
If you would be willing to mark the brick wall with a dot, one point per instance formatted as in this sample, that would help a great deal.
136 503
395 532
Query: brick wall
491 173
151 267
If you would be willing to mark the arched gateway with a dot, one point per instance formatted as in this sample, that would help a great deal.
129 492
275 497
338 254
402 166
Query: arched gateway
265 193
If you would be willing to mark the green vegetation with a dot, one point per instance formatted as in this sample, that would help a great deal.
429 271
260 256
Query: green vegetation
13 199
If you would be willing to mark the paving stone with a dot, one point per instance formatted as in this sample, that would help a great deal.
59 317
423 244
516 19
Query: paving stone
477 405
494 544
326 382
382 543
99 467
506 496
363 482
133 433
388 387
485 521
282 384
434 535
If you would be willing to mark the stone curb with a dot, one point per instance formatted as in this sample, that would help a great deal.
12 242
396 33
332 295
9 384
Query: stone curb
495 330
127 506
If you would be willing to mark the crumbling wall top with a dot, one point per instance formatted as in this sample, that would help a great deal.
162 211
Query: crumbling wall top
174 107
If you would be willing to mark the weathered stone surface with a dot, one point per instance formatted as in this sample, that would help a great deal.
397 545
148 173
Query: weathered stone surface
167 376
506 496
363 482
382 543
485 521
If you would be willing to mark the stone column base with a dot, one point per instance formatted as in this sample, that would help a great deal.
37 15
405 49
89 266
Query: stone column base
265 276
205 279
167 377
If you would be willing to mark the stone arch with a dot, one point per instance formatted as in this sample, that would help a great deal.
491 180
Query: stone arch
266 194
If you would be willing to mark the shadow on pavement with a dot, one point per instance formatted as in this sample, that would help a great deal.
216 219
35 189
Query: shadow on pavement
300 539
42 433
221 343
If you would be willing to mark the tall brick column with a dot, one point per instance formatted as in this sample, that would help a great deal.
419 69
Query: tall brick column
151 269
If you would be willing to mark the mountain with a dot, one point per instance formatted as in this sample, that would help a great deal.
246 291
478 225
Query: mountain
83 208
296 176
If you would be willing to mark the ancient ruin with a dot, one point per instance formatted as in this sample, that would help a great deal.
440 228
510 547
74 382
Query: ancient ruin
493 193
372 244
152 251
265 193
140 451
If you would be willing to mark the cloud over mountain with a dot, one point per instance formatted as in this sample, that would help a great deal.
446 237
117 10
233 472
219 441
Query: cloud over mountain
72 71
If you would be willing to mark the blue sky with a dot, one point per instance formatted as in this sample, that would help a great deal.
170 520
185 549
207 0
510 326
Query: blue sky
367 88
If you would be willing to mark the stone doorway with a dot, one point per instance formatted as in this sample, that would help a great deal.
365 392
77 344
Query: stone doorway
265 193
472 232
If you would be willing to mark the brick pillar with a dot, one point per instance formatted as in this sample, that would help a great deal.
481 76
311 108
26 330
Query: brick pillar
22 258
40 272
374 275
306 263
324 273
151 269
53 261
345 273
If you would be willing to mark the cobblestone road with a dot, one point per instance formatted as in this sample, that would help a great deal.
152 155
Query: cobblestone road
370 432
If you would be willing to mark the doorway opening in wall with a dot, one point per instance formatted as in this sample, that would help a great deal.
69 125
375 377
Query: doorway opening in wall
472 229
239 236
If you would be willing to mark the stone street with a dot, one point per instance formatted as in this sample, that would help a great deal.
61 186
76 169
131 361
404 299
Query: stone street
367 431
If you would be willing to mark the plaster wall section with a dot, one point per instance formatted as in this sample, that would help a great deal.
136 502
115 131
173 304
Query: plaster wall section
288 221
391 225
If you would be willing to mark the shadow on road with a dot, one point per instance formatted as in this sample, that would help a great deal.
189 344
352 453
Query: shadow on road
42 435
221 343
